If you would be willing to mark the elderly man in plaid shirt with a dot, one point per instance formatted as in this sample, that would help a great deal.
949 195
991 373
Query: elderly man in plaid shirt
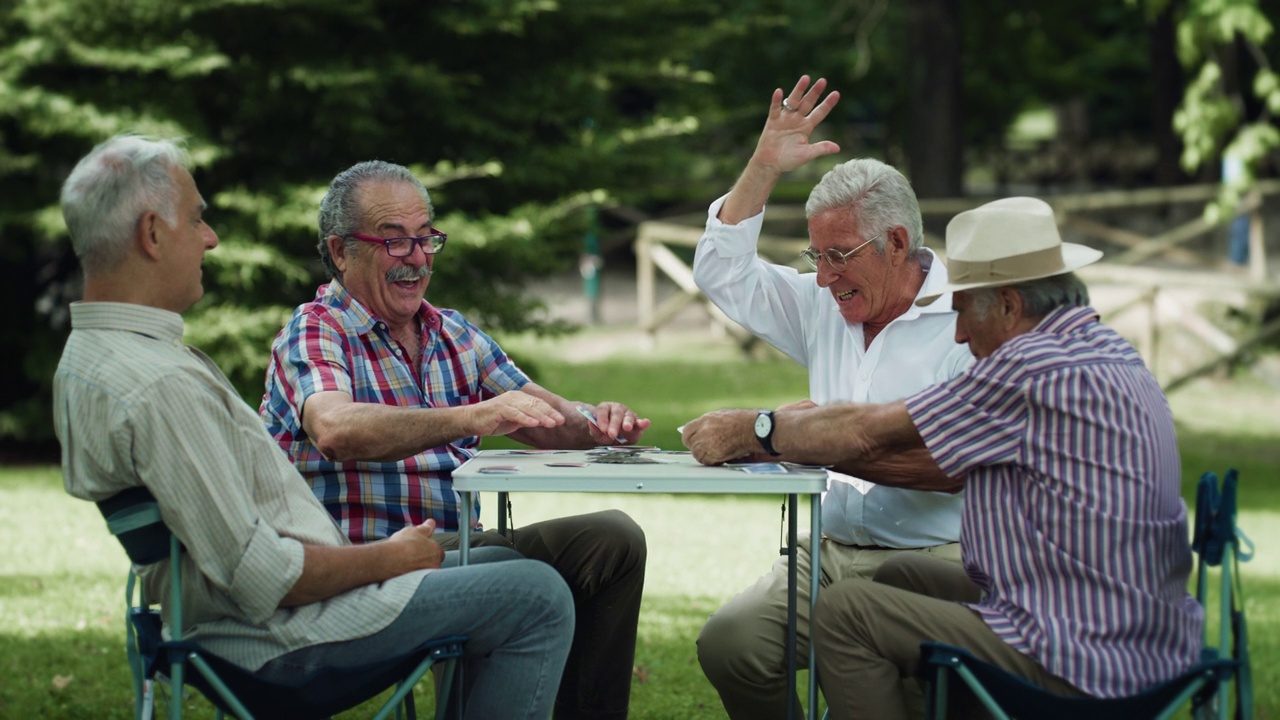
378 396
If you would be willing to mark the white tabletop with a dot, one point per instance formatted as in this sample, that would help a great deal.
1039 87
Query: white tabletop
581 471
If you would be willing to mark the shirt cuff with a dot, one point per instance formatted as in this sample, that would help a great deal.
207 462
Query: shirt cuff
732 240
269 568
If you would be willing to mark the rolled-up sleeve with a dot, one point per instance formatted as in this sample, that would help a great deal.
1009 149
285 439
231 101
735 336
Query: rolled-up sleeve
772 301
194 451
312 357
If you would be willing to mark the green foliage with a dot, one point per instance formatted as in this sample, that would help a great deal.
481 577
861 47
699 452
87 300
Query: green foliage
1226 114
514 128
517 114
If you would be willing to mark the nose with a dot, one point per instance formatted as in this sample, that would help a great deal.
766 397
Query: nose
826 273
211 238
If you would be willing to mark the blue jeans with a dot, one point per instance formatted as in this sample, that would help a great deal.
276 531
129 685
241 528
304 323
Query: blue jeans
517 613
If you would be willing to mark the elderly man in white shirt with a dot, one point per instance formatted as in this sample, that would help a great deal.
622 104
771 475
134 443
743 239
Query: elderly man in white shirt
855 325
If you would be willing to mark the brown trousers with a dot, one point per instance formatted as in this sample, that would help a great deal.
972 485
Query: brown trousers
742 647
601 557
868 633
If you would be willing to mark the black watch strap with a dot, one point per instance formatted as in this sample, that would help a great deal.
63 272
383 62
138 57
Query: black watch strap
766 437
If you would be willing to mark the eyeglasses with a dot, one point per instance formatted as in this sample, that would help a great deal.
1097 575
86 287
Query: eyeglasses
430 243
836 259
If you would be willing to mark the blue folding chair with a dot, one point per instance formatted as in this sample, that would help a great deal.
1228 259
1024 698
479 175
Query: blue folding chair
134 518
1217 543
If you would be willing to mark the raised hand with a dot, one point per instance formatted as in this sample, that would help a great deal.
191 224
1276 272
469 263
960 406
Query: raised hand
783 146
784 143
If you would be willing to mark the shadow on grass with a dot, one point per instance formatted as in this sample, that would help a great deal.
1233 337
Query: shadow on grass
668 681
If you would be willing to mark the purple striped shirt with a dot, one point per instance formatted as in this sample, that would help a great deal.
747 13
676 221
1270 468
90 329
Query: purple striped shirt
1072 525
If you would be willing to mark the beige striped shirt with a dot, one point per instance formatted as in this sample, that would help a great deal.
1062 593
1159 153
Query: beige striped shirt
134 406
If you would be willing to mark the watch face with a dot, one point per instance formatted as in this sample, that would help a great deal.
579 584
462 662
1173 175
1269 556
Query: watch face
764 424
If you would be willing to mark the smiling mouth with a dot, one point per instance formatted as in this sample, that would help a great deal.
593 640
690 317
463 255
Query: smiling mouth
846 295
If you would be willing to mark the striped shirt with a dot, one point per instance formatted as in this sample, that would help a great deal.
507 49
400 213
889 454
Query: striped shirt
335 344
1073 525
134 406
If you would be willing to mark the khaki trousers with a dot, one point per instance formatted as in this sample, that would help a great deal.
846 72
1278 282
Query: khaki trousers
742 648
868 634
601 557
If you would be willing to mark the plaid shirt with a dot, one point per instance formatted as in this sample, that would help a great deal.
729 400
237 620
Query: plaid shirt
1073 525
335 344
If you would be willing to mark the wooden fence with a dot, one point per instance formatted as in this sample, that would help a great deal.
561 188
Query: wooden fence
1162 276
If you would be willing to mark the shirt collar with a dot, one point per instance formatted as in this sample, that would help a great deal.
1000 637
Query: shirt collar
153 322
935 278
1063 320
334 294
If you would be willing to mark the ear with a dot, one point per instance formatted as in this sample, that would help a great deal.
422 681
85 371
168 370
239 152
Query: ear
1009 302
897 243
147 235
338 251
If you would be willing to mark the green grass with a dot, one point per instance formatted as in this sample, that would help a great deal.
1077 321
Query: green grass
61 577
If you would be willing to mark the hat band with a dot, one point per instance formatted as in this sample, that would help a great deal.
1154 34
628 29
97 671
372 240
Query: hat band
1027 265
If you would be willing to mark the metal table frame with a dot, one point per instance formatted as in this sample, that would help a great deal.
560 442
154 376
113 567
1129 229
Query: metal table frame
672 472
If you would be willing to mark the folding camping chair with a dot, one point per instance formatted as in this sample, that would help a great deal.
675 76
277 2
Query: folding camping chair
134 518
1216 543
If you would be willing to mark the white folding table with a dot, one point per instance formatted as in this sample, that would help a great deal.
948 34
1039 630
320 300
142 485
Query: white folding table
670 472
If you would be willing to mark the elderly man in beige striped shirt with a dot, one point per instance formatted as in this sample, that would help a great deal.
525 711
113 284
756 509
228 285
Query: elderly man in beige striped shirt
270 582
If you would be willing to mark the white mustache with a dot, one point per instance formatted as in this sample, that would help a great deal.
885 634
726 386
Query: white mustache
405 273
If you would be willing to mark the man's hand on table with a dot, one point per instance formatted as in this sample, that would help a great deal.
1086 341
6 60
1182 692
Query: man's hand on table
616 422
723 435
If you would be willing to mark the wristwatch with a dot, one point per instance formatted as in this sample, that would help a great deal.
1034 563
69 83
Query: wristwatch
764 431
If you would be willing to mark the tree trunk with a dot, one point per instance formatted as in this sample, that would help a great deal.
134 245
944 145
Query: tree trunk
1166 76
935 113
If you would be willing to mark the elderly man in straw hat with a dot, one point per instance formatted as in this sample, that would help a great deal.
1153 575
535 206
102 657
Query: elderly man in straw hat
1073 533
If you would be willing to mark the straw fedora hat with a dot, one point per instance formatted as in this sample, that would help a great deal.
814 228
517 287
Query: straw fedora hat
1007 242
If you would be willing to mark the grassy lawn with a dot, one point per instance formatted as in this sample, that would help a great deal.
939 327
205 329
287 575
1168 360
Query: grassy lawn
61 580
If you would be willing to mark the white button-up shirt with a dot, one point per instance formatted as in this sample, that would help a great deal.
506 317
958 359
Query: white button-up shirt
917 349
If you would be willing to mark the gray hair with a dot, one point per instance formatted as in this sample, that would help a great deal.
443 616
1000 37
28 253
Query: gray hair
876 195
1040 296
340 211
111 188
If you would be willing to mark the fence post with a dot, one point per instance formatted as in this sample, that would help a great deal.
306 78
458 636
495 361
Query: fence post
645 294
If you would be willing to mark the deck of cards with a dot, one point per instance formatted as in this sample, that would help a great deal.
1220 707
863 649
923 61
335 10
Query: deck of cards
620 455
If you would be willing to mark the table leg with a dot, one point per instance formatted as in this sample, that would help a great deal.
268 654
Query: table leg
791 603
464 538
815 580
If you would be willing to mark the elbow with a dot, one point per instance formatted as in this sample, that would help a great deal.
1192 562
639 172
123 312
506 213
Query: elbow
334 442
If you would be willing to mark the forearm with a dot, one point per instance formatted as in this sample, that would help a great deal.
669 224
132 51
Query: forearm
749 194
875 442
912 469
374 432
330 571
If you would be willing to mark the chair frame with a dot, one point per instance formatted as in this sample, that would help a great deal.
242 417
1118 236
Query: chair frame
1205 684
145 647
